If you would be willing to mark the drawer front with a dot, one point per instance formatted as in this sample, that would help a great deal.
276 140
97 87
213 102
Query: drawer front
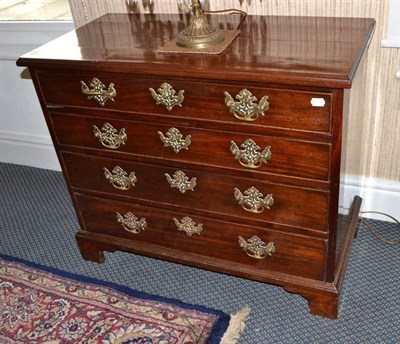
221 149
213 193
202 237
281 108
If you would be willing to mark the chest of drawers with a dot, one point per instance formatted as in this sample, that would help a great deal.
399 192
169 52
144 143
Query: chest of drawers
226 162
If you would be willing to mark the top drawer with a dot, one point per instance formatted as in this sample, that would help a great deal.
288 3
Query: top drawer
270 107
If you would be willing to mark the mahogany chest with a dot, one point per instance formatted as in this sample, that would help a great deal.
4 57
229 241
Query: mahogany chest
228 162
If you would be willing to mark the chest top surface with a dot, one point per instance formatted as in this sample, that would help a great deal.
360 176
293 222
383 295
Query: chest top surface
313 51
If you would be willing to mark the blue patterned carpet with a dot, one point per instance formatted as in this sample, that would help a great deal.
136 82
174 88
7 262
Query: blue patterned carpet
37 223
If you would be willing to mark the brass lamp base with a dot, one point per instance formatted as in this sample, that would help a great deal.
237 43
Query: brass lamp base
199 34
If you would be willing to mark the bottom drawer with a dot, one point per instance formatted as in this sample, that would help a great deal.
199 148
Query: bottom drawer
286 253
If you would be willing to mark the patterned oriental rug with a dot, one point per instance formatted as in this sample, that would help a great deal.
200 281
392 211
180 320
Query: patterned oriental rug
43 305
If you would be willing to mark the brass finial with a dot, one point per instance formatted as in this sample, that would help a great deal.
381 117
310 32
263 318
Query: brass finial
199 34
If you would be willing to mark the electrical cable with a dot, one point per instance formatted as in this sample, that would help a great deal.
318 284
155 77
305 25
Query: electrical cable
374 232
232 11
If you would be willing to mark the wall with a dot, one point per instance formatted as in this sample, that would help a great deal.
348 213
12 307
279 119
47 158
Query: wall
392 39
24 138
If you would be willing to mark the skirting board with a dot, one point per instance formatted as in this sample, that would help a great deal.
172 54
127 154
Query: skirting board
377 194
29 150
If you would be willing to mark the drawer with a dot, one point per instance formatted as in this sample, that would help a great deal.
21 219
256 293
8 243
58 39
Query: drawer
294 255
207 192
291 109
296 158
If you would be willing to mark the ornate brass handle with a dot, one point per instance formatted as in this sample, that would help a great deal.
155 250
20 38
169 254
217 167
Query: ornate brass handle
109 137
253 200
181 181
131 223
256 248
245 109
119 178
173 138
188 226
167 96
99 91
250 156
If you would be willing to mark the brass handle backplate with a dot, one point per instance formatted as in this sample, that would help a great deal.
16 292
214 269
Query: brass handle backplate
250 155
253 200
109 137
119 178
174 139
256 248
167 97
131 223
188 226
98 91
181 181
245 108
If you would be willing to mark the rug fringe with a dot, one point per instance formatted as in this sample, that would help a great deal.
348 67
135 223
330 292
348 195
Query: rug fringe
236 326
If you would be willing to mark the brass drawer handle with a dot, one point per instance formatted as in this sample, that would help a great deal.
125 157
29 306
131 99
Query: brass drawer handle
250 155
131 223
174 139
109 137
253 200
181 181
188 226
167 96
99 91
245 109
119 178
256 248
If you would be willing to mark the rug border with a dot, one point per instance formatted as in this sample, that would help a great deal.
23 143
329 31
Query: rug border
217 333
